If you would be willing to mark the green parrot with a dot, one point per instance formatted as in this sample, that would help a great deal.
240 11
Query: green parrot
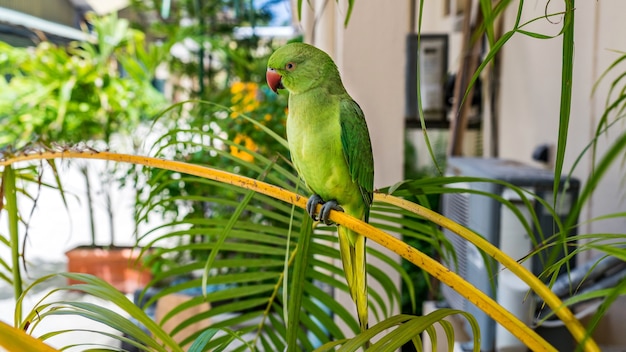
330 149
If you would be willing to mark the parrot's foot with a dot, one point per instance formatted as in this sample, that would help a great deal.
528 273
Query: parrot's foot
312 203
326 208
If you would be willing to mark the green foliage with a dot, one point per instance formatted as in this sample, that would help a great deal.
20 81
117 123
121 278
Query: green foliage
88 91
258 262
230 72
74 94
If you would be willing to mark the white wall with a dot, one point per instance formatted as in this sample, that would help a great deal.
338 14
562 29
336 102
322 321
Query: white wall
55 227
530 90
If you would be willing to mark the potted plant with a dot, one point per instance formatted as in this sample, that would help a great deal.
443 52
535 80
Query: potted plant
95 90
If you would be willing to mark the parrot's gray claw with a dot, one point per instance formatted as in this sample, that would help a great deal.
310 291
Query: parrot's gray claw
326 208
312 203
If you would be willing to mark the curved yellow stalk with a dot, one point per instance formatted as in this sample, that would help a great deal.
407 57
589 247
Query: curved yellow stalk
16 340
179 166
572 324
485 303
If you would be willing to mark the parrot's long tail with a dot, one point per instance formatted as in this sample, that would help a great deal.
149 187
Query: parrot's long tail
352 249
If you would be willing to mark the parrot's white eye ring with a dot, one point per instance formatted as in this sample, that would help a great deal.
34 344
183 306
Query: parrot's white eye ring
290 66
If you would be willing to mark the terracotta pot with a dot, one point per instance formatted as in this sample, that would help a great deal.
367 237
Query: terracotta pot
116 265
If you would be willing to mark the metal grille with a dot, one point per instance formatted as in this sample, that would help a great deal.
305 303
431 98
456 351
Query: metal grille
456 207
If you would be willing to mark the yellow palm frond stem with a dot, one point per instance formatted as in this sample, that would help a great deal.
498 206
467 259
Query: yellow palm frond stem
525 334
14 340
563 312
490 307
178 166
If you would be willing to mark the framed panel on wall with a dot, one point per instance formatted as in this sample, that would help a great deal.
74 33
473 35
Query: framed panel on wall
432 58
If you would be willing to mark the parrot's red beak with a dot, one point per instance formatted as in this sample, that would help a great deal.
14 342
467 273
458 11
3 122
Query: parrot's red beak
274 80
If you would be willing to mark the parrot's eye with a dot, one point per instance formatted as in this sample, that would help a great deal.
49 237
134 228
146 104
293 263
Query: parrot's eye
290 66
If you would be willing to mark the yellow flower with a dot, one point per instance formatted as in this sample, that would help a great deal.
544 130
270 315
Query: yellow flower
245 97
237 87
248 143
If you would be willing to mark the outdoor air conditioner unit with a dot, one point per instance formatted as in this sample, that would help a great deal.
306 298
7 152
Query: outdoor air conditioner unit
498 224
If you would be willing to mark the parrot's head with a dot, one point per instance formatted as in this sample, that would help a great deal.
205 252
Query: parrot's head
299 67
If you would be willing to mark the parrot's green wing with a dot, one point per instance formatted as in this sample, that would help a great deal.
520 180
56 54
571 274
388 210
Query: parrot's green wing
357 148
